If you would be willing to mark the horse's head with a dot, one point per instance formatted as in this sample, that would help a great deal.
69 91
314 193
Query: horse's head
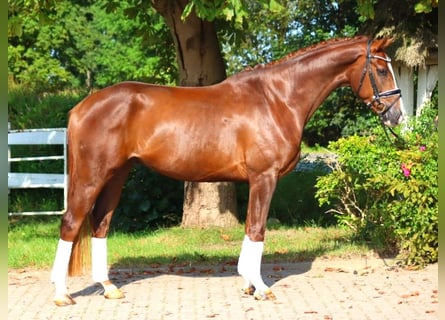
375 83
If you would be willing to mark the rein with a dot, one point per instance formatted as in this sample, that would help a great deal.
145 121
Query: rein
398 141
382 107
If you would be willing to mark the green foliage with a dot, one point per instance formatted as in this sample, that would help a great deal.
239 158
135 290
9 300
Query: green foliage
151 200
289 26
425 6
293 203
236 11
76 44
366 7
148 200
341 114
28 109
386 194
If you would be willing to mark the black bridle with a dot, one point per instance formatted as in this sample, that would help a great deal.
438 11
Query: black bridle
379 107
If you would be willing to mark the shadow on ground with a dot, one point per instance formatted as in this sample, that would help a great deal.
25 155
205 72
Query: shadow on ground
271 272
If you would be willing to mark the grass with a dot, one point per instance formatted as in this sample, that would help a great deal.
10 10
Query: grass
32 243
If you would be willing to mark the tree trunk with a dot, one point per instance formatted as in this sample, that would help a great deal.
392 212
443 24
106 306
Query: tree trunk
200 63
209 204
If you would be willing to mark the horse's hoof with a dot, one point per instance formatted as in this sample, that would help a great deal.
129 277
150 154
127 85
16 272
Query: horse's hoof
264 295
114 294
64 300
249 290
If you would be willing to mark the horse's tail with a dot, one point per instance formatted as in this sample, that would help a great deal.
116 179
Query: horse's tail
80 260
81 251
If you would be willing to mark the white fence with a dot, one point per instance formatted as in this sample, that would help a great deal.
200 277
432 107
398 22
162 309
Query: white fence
427 78
20 180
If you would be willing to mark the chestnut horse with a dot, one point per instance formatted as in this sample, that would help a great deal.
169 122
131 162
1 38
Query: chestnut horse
246 128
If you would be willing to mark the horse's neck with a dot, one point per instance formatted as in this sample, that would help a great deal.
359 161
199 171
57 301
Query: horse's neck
313 77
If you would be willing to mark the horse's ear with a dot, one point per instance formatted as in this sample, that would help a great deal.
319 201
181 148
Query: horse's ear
382 44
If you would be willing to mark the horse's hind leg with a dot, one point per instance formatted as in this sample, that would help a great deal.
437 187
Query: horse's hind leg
81 200
103 210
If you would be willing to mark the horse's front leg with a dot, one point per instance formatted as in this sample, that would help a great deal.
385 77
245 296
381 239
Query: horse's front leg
261 190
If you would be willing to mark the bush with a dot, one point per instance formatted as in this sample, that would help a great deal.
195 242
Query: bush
293 202
341 114
148 200
28 110
389 195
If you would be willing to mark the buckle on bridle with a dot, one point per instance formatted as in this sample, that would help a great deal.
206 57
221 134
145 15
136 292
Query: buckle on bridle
381 108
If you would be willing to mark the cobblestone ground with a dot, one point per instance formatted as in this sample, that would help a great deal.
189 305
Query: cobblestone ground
322 289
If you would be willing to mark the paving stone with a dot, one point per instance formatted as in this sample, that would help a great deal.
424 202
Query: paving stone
323 289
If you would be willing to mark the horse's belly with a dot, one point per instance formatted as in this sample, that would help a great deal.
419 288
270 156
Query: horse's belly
195 166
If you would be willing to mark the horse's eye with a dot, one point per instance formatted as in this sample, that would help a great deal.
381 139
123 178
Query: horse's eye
382 71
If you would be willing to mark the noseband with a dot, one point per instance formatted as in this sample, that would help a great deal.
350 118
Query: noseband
380 107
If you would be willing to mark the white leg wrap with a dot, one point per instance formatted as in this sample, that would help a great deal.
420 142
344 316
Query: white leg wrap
60 267
249 263
99 259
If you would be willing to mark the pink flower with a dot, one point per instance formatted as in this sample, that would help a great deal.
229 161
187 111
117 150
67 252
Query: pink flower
406 171
422 148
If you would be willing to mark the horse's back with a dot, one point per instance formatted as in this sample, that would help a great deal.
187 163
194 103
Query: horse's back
114 96
181 132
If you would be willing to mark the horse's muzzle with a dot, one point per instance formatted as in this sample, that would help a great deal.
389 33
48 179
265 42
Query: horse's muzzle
392 121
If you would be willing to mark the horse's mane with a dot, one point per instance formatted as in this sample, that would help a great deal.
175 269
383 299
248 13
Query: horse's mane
309 49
